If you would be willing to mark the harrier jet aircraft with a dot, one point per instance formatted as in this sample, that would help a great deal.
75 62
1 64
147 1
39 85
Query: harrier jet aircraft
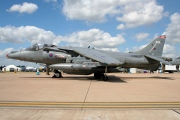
85 61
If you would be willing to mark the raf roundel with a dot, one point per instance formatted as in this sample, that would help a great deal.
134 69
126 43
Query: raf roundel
50 55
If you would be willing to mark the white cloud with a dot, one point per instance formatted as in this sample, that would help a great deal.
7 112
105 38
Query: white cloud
30 33
173 30
24 8
3 53
120 27
139 14
50 0
132 13
141 36
156 35
92 37
96 38
135 48
168 48
89 10
169 51
56 5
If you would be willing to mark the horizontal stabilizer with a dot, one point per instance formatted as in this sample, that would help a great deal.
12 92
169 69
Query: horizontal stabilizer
158 59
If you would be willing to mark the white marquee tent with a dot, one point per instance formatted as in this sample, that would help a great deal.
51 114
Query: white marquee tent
11 68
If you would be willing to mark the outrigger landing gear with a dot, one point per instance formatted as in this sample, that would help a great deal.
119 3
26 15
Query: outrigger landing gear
57 74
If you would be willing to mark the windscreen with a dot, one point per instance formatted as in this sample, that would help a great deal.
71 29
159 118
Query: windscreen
36 47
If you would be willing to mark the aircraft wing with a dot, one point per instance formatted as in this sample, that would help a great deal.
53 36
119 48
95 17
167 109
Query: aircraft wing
158 59
94 55
89 53
97 56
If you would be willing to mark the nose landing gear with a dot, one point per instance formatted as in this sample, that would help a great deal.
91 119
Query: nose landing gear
57 74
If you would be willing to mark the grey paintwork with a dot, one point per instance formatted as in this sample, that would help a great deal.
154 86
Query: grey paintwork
38 55
77 60
176 61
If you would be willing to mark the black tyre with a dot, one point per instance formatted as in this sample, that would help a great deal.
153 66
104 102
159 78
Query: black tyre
97 75
105 78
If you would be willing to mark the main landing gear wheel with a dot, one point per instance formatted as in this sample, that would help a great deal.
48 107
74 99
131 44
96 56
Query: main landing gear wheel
100 75
105 78
57 74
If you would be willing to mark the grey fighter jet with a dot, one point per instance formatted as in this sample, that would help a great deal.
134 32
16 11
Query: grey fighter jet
85 61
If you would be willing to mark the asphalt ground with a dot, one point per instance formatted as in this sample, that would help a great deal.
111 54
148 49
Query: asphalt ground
145 96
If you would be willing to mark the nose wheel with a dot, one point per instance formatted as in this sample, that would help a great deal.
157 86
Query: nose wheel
57 74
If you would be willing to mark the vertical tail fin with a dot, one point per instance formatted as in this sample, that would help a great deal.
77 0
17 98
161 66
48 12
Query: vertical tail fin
154 48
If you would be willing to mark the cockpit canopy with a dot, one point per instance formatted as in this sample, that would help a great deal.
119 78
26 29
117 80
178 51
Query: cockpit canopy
36 47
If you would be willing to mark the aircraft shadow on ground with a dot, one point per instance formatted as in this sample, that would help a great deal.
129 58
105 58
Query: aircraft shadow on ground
35 77
112 78
154 77
165 78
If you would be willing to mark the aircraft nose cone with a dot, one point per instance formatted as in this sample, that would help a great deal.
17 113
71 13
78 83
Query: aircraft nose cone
13 55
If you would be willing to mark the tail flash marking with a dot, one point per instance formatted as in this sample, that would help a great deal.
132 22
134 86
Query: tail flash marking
153 48
163 36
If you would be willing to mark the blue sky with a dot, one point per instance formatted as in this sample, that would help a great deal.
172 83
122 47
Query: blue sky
118 25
